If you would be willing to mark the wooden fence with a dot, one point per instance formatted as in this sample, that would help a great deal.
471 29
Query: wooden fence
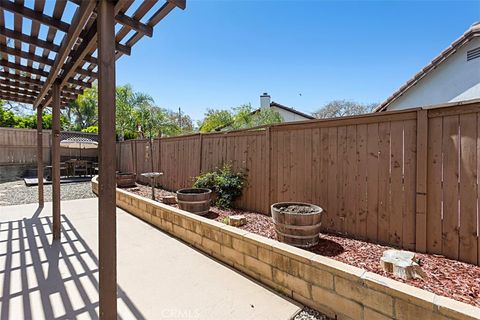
405 178
19 146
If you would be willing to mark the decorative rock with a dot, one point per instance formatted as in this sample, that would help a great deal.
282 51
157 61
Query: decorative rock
169 199
401 263
237 221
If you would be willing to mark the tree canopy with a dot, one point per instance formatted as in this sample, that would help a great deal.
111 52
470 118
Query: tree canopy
10 119
238 118
82 113
215 119
343 108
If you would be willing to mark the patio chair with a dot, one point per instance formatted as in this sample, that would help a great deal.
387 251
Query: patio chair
63 169
80 168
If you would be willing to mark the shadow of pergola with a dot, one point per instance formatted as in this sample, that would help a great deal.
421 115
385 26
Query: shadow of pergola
50 280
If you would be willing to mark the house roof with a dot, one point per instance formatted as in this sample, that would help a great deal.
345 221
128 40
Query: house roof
280 106
472 32
272 104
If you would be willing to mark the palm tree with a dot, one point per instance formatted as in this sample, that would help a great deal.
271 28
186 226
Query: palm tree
127 102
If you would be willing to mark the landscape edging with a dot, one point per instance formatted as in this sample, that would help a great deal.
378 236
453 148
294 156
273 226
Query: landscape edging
322 283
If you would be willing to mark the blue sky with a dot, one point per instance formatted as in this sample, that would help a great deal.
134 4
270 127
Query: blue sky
221 54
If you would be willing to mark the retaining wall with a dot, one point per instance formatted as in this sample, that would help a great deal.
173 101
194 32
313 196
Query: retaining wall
330 286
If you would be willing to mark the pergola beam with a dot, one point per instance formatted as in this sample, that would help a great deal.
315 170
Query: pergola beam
34 15
15 97
134 24
33 57
18 90
11 65
28 39
56 225
87 73
17 84
81 83
182 4
34 87
21 78
107 239
91 59
78 22
26 55
41 200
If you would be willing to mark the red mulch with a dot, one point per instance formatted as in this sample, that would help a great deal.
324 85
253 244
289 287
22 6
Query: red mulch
449 278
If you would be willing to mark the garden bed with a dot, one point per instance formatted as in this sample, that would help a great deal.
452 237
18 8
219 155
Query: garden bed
445 277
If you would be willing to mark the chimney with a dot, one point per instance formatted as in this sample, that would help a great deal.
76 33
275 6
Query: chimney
265 100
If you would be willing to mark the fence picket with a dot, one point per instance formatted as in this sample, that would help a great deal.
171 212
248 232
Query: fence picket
468 188
450 187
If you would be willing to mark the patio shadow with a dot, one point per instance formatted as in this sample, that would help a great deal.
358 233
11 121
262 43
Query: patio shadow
45 280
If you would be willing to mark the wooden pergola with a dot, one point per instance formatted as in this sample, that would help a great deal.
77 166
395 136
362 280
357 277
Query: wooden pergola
78 49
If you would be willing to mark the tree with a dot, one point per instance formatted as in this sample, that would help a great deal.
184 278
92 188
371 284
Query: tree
245 117
7 117
183 121
155 122
83 112
215 119
10 120
127 101
239 118
343 108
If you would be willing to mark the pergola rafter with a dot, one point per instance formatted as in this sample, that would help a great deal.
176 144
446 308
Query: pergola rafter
52 69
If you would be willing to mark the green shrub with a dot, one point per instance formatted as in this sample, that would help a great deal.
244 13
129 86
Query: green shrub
91 129
226 184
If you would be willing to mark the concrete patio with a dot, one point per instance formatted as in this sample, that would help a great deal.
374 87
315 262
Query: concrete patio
159 277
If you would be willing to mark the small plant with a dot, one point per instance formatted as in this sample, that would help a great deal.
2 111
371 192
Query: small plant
226 220
226 184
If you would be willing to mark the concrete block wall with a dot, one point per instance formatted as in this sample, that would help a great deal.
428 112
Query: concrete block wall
330 286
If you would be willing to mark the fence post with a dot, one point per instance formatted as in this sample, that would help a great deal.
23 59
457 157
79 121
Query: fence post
159 154
421 183
135 168
200 155
118 162
268 177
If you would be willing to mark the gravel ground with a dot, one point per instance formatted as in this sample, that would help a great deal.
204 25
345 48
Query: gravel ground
16 192
445 277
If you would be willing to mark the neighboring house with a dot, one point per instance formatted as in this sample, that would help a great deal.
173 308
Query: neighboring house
453 76
288 114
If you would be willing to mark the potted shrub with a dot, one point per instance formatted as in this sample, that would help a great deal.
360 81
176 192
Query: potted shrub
225 184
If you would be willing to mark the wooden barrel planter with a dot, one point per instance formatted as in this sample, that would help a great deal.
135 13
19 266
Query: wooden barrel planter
296 223
194 200
126 179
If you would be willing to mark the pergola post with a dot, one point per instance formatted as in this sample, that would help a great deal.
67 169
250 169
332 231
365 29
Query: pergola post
107 233
56 160
41 200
